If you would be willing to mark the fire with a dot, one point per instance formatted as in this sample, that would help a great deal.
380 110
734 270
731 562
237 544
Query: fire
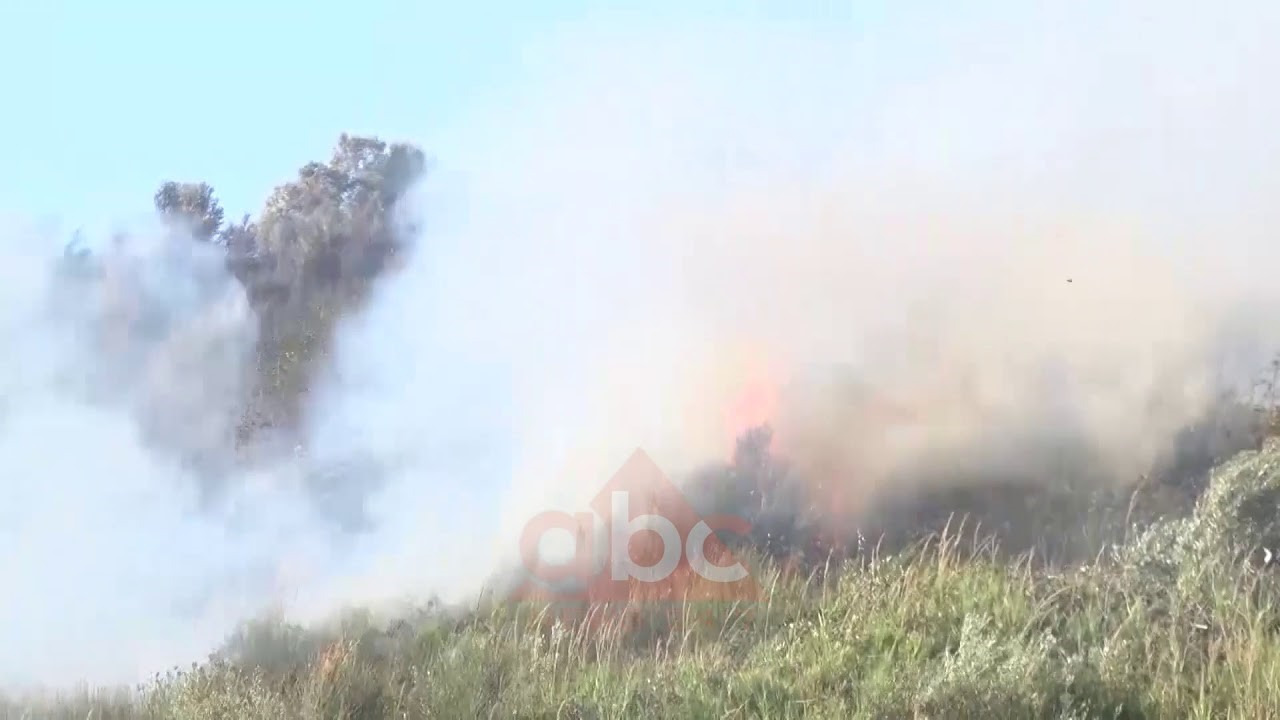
838 438
756 402
756 405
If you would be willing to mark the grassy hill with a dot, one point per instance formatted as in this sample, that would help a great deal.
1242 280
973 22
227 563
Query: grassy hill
1181 620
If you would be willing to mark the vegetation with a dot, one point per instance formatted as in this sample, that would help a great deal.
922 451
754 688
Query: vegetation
1182 620
312 255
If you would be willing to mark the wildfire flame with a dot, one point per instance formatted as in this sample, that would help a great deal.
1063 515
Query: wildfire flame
840 441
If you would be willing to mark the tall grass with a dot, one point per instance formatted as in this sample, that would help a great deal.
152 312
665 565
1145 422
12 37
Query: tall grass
1181 620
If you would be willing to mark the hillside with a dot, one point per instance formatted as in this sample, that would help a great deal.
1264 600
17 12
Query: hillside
1181 620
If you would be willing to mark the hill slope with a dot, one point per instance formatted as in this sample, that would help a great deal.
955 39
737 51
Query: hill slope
1182 620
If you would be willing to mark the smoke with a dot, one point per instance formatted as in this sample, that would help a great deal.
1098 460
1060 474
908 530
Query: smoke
1016 232
115 369
909 242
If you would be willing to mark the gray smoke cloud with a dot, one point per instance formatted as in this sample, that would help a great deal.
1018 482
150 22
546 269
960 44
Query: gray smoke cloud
1006 223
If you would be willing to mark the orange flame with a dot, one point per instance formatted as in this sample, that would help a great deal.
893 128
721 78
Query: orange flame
755 403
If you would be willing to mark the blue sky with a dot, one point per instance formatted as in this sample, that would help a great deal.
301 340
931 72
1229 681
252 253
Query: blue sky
105 100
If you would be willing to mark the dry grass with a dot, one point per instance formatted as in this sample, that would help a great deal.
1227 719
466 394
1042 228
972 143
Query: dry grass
1181 621
1176 615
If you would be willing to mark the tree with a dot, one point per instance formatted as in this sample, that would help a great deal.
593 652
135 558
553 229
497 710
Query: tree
192 205
319 245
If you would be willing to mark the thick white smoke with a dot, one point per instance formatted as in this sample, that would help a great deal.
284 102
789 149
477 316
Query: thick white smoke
113 373
645 222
